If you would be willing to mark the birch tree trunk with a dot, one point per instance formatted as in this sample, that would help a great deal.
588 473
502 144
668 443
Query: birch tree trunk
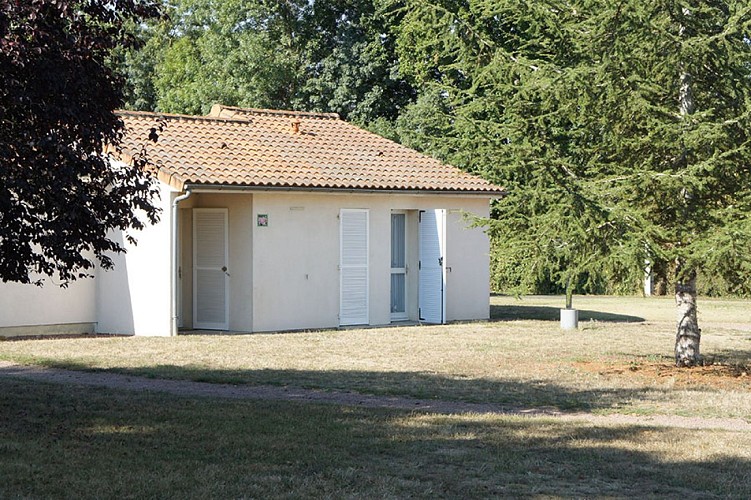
688 333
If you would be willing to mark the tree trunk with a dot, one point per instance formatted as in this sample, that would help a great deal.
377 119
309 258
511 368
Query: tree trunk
569 293
688 333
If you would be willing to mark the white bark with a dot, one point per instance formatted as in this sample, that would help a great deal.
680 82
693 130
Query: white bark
688 333
686 99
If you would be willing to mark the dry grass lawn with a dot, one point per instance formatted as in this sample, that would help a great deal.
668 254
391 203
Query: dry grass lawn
64 442
68 442
619 361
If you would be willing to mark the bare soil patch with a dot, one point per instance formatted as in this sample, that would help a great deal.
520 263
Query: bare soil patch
726 376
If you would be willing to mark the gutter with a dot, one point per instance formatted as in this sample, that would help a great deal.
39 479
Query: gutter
175 259
209 188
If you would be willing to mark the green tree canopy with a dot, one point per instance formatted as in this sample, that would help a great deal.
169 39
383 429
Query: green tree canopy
327 55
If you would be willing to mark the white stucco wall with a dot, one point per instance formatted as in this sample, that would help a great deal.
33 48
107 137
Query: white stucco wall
468 268
296 258
134 297
284 276
49 309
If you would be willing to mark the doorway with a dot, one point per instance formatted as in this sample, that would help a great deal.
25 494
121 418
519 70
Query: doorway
399 293
210 274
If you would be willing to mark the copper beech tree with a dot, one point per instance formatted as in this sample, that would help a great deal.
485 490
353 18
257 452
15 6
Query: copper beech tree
60 196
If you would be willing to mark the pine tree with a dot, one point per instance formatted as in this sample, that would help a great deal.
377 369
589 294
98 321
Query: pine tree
621 131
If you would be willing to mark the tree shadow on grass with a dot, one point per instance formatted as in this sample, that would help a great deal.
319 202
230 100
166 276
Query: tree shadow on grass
738 359
62 441
503 393
546 313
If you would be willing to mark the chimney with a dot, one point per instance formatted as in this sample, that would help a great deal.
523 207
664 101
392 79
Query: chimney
295 126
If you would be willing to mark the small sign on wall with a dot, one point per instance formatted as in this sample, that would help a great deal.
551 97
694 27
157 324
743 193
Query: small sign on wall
262 220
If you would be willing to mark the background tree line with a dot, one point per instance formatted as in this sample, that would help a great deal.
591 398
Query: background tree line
573 105
331 55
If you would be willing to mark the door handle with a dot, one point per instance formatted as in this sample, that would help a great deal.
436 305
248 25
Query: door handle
224 270
440 261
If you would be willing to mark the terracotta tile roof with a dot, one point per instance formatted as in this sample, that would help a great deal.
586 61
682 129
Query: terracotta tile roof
285 149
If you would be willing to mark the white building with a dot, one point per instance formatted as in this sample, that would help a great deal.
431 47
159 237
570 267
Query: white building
276 220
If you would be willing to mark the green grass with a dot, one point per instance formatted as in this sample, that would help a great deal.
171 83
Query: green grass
64 442
607 366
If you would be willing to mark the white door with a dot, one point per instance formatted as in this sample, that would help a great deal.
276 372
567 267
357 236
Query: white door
353 267
210 273
398 266
432 269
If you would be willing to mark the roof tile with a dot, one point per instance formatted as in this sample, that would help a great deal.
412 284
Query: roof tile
260 148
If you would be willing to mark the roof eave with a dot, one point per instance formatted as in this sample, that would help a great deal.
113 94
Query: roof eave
198 188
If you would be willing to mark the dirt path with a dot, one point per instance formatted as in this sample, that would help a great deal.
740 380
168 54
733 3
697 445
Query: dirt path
274 393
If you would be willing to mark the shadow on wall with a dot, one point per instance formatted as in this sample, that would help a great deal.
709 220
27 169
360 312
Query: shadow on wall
114 301
546 313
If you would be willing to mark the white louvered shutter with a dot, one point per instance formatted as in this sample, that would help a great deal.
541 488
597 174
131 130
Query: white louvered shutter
353 267
432 275
210 284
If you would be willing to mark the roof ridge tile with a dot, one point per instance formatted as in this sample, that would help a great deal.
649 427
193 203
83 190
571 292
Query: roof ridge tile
216 109
177 116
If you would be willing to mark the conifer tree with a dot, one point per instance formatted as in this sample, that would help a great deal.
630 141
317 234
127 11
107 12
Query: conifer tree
621 130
